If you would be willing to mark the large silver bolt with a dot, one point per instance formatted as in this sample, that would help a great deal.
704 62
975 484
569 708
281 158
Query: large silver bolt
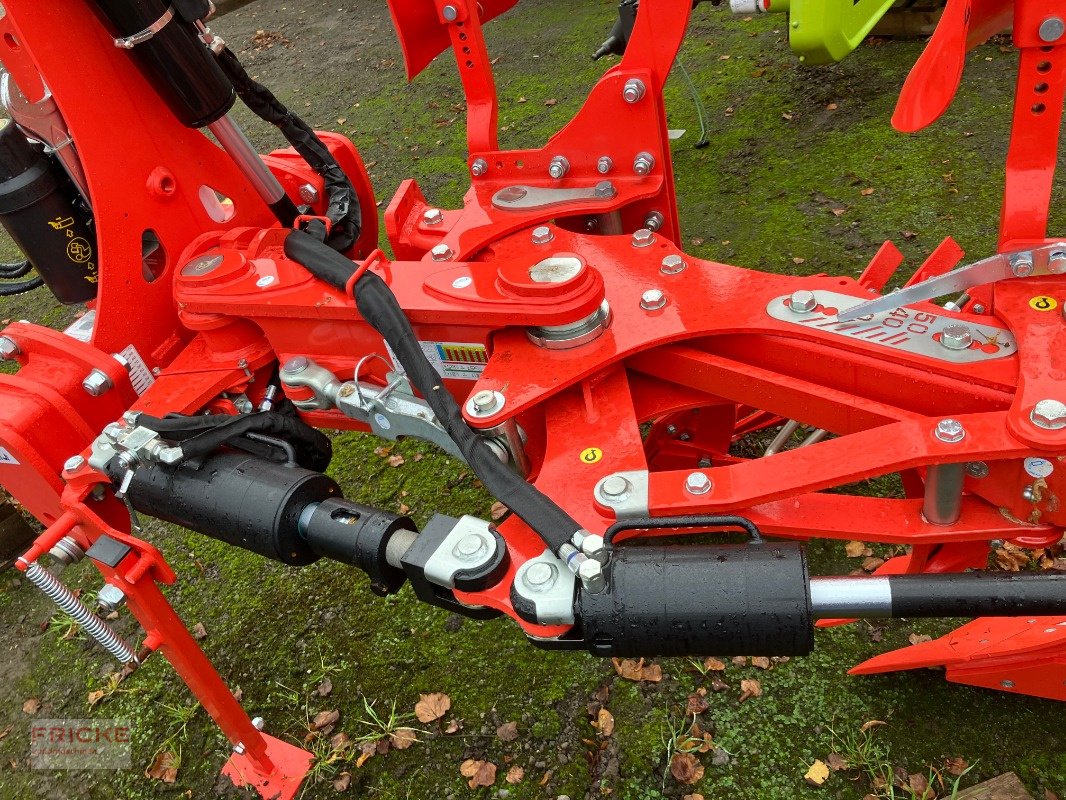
654 221
643 163
73 464
110 598
485 401
614 488
1051 29
258 723
1022 266
653 299
950 431
697 483
591 575
441 252
956 337
294 366
308 193
802 301
642 237
8 348
558 167
540 577
449 13
604 164
113 431
634 90
433 216
542 234
96 383
479 167
672 265
1056 263
595 548
470 547
604 189
1049 415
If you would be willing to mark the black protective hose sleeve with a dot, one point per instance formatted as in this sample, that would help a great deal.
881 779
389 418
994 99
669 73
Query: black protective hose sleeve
202 435
20 287
378 306
20 269
343 211
976 594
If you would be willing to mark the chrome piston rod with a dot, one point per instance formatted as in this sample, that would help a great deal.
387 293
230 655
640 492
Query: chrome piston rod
236 144
965 594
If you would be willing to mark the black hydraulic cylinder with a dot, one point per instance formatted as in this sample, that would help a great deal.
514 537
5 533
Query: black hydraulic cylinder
43 212
242 500
173 59
667 600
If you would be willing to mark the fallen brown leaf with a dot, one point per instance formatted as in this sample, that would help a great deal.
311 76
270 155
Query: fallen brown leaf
454 726
507 732
402 738
515 774
836 762
873 723
761 662
718 685
692 797
324 720
956 765
499 511
551 101
480 773
867 191
749 688
637 671
696 704
432 706
686 768
854 549
713 664
96 696
366 750
164 768
919 786
740 661
324 688
343 781
872 563
919 638
340 741
199 631
396 460
604 722
5 731
31 706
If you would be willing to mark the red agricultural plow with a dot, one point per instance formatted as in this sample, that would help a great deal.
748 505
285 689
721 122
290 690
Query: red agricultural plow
551 332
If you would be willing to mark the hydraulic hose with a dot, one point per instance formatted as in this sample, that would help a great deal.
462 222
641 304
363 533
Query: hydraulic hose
20 287
379 307
343 210
18 269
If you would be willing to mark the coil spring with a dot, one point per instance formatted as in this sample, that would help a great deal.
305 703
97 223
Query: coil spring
99 630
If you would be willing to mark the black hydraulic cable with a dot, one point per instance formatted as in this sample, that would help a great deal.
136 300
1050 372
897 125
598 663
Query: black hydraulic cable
20 287
201 435
343 212
379 307
18 269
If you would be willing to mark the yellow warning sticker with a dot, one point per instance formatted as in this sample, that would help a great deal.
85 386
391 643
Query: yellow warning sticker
1044 303
590 455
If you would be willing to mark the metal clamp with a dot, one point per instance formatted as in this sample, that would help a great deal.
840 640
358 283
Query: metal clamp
129 42
543 591
525 198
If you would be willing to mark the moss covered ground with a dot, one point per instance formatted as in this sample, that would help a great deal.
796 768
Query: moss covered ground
781 187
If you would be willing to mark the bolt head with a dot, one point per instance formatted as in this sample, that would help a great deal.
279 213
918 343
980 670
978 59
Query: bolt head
1057 262
1051 29
559 167
470 547
653 299
697 483
956 337
672 265
542 234
803 301
614 486
643 237
441 252
1049 415
604 164
978 308
654 221
433 216
258 723
308 193
950 431
485 401
595 548
295 366
110 597
96 383
633 90
1021 266
8 348
643 163
479 167
73 464
591 575
540 577
977 469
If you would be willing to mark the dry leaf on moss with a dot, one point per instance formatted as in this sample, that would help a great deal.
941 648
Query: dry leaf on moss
432 706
